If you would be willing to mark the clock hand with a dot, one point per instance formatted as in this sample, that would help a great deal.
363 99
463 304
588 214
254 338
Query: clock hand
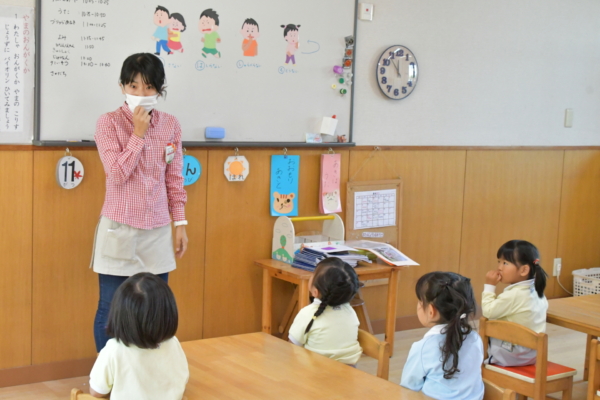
397 66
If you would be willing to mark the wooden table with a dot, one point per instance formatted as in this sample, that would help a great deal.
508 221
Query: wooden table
581 314
258 366
280 270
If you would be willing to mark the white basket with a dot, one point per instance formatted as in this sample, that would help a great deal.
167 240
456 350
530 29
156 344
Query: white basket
586 281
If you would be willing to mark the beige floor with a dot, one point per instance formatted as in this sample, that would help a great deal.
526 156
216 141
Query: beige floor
565 346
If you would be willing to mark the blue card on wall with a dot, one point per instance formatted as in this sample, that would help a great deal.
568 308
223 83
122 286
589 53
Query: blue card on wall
284 185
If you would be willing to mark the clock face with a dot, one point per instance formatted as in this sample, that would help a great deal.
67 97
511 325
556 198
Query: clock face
397 72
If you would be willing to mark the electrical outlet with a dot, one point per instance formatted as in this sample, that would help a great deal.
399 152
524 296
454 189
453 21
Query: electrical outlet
557 266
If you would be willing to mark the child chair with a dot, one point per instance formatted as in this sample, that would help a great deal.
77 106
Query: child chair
531 380
493 392
77 394
594 372
377 349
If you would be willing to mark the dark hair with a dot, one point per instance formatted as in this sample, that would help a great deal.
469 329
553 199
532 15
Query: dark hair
143 312
452 296
251 21
179 18
289 27
521 252
336 282
210 13
149 66
161 8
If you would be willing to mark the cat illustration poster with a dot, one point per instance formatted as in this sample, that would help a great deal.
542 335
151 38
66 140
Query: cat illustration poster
285 172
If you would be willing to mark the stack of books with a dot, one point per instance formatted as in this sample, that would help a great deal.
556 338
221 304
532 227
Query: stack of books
307 258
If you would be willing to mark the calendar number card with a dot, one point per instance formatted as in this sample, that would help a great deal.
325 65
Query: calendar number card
69 172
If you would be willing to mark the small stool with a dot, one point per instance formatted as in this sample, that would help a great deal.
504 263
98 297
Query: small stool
358 304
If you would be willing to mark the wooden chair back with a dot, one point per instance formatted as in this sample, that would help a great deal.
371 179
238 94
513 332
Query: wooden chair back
377 349
495 392
594 371
522 336
77 394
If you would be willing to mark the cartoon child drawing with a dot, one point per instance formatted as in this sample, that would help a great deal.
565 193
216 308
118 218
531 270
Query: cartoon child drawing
290 33
176 27
208 25
250 33
161 19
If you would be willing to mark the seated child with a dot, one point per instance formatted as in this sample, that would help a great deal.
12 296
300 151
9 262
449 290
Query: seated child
446 363
522 302
144 360
329 326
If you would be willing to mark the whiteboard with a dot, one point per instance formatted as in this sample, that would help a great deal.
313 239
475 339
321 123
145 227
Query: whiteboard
255 98
17 58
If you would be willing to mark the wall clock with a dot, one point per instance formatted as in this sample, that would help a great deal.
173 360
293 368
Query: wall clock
397 72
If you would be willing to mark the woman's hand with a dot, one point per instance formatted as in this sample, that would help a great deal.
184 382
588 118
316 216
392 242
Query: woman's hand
141 121
181 241
492 277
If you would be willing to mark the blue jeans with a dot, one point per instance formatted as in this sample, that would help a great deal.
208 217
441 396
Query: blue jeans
108 287
163 44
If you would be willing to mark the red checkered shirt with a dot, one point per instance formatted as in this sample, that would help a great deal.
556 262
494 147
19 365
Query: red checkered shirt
141 188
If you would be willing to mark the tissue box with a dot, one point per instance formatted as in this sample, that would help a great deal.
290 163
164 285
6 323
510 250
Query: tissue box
214 133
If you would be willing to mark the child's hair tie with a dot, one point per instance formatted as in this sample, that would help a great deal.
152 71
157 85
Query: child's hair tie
536 261
314 317
463 316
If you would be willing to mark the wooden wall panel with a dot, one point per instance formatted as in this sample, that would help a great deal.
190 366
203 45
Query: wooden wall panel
579 233
65 289
431 215
16 168
509 195
239 230
187 281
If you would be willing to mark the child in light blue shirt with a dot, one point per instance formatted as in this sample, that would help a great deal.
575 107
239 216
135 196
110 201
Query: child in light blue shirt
446 363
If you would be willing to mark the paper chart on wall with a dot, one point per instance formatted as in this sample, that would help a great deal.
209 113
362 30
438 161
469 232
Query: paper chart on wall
374 209
17 83
329 193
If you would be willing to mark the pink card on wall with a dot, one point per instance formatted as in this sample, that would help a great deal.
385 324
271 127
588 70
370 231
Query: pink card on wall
329 198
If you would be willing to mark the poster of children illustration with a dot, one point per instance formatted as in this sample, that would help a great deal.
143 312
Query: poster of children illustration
169 28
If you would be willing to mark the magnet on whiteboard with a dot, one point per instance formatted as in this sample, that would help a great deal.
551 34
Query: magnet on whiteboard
343 91
334 86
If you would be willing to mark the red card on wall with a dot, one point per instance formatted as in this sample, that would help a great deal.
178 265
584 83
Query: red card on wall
329 193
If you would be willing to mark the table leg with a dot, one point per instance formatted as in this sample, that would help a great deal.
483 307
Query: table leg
289 311
390 318
588 349
303 299
266 302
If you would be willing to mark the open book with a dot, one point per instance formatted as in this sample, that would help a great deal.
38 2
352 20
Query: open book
387 253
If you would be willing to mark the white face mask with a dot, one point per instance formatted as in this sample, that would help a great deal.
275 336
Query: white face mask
148 102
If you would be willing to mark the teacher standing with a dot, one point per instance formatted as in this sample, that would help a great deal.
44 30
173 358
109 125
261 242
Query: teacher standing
140 149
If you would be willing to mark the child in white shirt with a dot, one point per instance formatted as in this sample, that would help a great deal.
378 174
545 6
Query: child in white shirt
329 326
446 363
522 302
144 360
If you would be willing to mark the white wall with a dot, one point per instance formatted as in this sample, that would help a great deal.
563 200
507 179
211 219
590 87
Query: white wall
497 73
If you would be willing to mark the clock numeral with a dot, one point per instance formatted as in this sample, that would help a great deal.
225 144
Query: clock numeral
412 70
389 87
382 70
400 53
409 83
386 62
396 92
406 56
392 54
403 89
383 80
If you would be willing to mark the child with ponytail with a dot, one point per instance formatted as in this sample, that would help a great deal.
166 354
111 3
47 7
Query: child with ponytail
329 326
522 302
446 363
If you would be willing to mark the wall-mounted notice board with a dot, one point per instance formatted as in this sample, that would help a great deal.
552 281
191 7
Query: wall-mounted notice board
374 211
266 92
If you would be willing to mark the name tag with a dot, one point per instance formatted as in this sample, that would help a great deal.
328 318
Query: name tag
169 153
507 346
